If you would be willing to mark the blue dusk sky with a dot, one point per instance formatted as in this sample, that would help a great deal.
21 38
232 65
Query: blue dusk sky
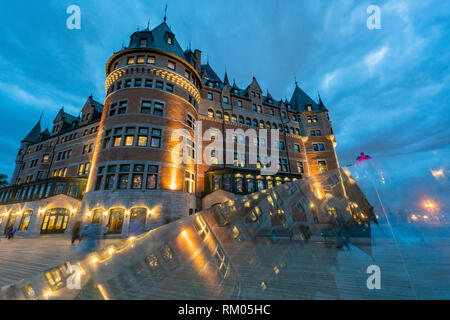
387 90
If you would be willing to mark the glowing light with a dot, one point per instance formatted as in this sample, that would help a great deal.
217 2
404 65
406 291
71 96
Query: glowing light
127 212
41 211
94 260
105 213
131 238
88 214
151 212
425 217
173 186
438 173
73 211
312 205
103 292
319 193
47 293
111 250
414 217
184 233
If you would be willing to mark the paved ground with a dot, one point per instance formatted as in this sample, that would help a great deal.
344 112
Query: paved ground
21 258
413 266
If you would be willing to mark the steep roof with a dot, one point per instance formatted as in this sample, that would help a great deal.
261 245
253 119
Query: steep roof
209 74
157 39
300 100
35 134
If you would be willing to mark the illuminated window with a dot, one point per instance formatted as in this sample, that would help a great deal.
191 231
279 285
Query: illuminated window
117 141
122 183
171 65
300 167
25 221
151 60
226 117
210 113
233 118
152 177
315 133
156 138
140 59
129 140
130 60
322 164
189 182
115 222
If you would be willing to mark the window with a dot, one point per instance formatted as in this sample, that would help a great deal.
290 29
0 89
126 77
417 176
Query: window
189 182
226 100
140 59
130 60
282 146
322 164
138 176
123 181
128 83
146 106
300 167
241 119
156 138
159 85
283 114
210 113
190 121
117 141
171 65
218 114
158 109
283 165
151 60
170 40
318 147
272 112
240 105
169 87
254 108
25 221
210 96
142 137
296 148
137 82
152 177
148 83
143 43
315 133
226 117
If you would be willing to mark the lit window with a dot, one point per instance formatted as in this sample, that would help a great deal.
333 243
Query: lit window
189 182
210 113
117 141
300 167
140 59
152 177
322 164
129 140
171 65
151 60
130 60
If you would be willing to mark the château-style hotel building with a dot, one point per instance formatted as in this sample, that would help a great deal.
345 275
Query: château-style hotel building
112 164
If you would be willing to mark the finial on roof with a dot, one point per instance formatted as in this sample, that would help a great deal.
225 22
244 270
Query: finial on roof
296 83
148 24
137 29
207 58
165 13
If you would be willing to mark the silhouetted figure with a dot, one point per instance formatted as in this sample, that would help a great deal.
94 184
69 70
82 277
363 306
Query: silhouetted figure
11 231
76 229
91 236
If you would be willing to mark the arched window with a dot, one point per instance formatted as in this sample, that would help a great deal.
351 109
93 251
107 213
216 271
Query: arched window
297 131
261 124
138 218
248 121
115 221
97 216
218 114
55 221
255 123
241 119
268 125
210 113
233 118
226 116
25 221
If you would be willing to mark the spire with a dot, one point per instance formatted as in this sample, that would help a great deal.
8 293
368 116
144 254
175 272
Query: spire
165 13
226 78
296 83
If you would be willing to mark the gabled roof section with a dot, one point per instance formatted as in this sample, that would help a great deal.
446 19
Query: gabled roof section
209 74
254 85
300 100
35 134
158 38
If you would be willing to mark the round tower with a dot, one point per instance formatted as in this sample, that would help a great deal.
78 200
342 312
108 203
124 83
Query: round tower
152 89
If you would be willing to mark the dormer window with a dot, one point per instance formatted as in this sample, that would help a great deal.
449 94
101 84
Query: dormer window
170 40
308 108
143 43
171 65
130 60
226 100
